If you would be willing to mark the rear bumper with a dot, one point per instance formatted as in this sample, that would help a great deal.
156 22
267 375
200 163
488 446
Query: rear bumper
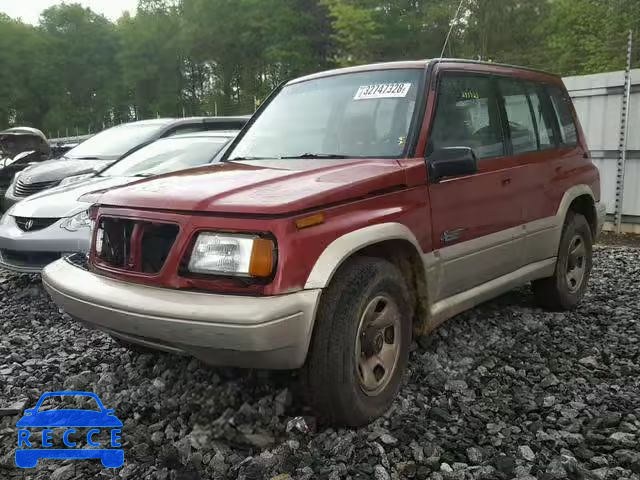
251 332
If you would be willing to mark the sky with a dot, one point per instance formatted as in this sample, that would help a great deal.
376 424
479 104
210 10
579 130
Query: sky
29 10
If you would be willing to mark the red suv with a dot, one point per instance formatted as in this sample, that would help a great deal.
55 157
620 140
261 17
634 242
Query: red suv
359 207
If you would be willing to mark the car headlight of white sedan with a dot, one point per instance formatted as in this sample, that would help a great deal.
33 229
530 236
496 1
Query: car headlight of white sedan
233 255
77 222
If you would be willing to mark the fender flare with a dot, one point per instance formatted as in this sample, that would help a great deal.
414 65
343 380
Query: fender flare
343 247
570 195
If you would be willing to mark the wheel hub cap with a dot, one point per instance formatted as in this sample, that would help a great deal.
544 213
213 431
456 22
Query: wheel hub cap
377 344
576 263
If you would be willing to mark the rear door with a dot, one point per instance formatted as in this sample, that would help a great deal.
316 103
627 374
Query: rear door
476 219
533 137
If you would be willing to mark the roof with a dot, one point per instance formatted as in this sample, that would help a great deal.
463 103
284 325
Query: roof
409 64
241 119
364 68
23 131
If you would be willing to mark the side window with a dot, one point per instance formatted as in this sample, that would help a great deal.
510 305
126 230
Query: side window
467 115
521 123
562 107
543 114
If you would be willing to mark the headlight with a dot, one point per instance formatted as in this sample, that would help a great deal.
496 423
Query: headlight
6 218
78 222
237 255
75 179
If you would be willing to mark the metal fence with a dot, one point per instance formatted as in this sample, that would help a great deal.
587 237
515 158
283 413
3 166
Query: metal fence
608 105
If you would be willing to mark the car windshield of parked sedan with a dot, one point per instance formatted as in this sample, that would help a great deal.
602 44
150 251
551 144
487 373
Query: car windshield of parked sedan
167 155
114 142
363 114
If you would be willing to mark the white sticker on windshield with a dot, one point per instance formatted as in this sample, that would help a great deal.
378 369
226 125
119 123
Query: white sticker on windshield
382 90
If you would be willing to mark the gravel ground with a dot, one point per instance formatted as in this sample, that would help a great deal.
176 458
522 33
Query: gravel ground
503 391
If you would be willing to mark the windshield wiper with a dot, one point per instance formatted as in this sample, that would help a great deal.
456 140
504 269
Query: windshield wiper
143 175
252 158
318 155
87 158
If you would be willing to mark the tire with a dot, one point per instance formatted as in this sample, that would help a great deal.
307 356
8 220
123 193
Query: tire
343 377
563 290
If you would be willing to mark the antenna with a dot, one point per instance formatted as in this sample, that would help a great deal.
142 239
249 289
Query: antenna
453 22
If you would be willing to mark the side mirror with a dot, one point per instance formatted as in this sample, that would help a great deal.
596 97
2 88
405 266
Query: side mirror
452 162
109 411
29 411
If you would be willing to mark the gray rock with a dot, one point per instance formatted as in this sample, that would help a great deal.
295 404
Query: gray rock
549 381
445 467
589 361
555 469
526 453
505 464
66 472
380 473
388 439
474 455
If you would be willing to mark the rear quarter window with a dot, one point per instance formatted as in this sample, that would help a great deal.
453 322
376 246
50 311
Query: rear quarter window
562 108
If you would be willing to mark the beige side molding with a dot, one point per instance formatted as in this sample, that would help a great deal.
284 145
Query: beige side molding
343 247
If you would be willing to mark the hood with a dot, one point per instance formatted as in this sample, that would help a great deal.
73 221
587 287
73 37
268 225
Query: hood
69 418
261 187
55 170
63 201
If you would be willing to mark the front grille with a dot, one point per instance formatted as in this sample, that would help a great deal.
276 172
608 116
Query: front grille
24 189
29 259
34 224
134 245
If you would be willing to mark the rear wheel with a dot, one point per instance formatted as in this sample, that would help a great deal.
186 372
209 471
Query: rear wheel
567 286
360 345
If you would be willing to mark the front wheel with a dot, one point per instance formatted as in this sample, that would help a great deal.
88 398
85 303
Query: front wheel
567 286
360 347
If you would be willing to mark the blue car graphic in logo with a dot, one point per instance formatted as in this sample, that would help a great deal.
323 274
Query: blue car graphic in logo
28 455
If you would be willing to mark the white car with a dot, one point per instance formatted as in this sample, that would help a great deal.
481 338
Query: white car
48 225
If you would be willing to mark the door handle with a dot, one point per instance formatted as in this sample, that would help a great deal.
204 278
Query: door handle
506 181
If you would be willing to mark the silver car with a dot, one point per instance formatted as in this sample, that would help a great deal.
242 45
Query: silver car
45 226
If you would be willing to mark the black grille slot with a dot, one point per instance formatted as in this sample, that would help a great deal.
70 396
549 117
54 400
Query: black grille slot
34 224
156 245
24 189
132 245
80 260
29 259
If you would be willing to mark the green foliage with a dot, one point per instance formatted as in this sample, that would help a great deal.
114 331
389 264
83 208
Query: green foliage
78 70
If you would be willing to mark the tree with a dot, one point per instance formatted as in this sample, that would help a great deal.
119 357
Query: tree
81 49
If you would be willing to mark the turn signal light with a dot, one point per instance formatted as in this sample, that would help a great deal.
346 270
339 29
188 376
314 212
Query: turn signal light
261 263
310 221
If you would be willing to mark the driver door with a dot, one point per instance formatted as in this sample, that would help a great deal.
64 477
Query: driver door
476 219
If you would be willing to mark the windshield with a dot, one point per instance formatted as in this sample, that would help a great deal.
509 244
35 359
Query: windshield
114 142
69 402
365 114
167 155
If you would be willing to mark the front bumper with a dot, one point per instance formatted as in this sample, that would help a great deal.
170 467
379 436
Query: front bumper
230 330
31 251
